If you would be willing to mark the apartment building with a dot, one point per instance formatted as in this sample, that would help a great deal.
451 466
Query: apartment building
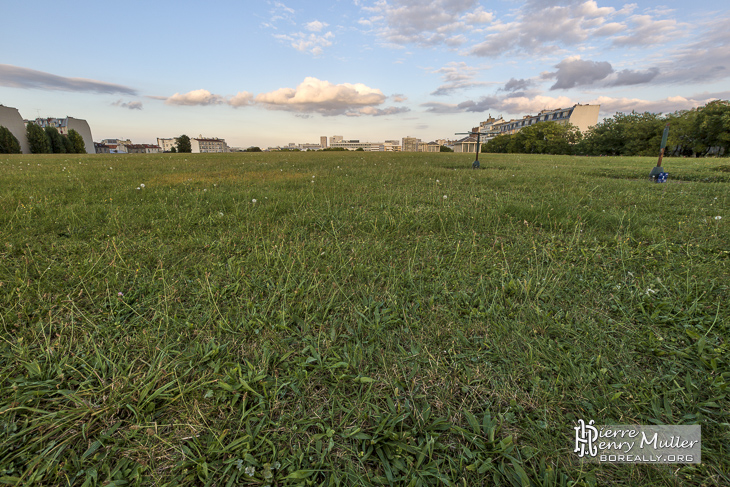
143 149
206 145
356 144
167 144
410 144
582 116
197 145
64 125
10 119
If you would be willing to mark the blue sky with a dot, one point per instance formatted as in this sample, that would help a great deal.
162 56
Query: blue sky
272 72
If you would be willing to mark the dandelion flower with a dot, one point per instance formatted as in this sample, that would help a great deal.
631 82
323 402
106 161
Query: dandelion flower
250 471
141 185
138 187
118 294
718 217
445 197
253 200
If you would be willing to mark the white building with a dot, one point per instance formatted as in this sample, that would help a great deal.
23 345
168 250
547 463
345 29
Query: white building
582 116
10 119
356 144
167 144
207 145
64 125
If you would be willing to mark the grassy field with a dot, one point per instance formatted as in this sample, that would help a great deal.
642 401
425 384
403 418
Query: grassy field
357 318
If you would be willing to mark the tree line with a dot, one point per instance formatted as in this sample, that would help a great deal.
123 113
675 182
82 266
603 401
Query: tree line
702 131
43 141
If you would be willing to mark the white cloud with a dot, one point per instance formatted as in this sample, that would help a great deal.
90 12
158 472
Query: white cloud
196 97
610 105
457 76
315 26
426 24
303 42
479 16
314 95
542 27
645 30
243 98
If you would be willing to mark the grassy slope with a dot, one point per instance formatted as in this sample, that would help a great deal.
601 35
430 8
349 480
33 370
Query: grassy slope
370 319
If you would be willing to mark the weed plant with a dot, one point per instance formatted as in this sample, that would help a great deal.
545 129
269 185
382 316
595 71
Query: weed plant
357 318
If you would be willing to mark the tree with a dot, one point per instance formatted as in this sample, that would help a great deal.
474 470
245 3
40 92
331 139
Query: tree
68 146
443 148
37 139
359 149
497 145
711 128
77 141
56 139
8 143
253 149
173 149
183 144
633 134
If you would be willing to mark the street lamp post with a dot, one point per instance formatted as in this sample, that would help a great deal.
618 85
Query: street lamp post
475 165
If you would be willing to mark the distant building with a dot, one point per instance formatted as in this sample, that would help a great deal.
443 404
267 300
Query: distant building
206 145
323 142
101 148
10 119
467 144
64 125
410 144
167 144
582 116
356 144
143 149
117 146
391 146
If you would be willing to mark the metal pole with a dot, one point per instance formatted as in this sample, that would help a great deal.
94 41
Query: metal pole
476 162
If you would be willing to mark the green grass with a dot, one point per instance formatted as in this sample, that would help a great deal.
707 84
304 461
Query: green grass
372 319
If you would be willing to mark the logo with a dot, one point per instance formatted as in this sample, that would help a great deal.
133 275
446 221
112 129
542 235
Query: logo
585 436
638 443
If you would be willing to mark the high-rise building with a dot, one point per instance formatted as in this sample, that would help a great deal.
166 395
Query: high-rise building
323 142
410 144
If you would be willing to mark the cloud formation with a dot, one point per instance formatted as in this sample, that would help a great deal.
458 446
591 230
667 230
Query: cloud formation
425 24
132 105
310 96
517 84
542 27
313 42
196 97
610 105
575 71
18 77
314 95
457 76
